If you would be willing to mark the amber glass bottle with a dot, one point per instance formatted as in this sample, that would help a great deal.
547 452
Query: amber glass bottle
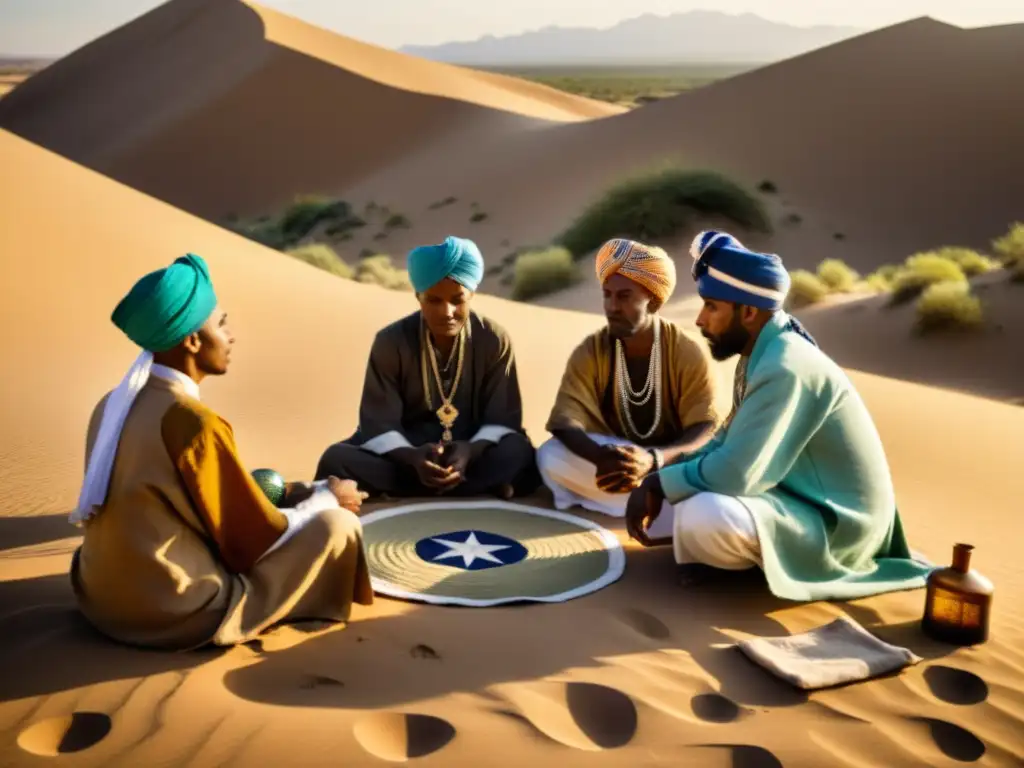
958 602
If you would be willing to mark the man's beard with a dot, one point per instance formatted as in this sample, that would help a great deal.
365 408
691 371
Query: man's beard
732 341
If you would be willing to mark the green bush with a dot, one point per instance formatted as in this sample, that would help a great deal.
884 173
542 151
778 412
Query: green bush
662 204
881 280
297 221
805 288
971 262
397 221
948 306
323 257
922 270
308 211
378 270
1010 247
540 272
837 276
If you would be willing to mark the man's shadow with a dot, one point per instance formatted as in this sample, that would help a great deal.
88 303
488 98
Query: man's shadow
46 645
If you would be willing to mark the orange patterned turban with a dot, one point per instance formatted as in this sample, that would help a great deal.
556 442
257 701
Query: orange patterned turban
647 265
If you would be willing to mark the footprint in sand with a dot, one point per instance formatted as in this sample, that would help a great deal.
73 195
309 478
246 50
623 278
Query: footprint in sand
580 715
955 686
63 735
309 682
424 652
646 624
952 740
738 756
715 708
398 736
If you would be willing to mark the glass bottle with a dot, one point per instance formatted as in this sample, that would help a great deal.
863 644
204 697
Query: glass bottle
958 602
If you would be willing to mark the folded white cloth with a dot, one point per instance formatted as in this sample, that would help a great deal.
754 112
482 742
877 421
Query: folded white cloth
833 654
298 516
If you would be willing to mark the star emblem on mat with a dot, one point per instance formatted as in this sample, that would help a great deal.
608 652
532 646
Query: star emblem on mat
470 550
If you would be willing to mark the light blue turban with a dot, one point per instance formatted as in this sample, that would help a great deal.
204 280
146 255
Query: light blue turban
456 257
727 271
164 307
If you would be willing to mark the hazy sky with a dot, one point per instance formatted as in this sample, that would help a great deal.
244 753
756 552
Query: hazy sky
55 27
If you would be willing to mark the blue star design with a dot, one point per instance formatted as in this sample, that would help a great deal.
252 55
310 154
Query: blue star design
472 550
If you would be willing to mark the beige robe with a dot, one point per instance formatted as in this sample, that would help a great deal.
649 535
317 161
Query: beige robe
586 397
178 558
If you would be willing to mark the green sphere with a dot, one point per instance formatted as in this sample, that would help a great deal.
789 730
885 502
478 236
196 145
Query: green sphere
271 483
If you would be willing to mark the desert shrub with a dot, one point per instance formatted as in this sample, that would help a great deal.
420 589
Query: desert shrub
768 187
378 270
878 283
948 306
881 280
806 288
397 221
323 257
478 216
544 271
837 276
661 204
306 212
1010 247
971 262
922 270
442 203
297 221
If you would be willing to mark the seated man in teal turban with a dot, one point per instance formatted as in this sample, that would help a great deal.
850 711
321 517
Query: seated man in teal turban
181 547
441 409
796 482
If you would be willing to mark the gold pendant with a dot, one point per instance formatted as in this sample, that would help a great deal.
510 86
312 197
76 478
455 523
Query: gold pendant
447 414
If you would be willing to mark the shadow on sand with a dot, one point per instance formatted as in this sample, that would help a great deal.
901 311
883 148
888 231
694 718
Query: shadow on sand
47 647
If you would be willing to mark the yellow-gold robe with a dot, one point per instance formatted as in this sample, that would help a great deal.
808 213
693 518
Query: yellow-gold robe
188 551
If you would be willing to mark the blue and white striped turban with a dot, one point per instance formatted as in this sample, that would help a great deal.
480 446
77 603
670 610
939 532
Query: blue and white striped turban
725 270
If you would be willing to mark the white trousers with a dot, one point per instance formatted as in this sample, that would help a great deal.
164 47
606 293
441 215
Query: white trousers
707 528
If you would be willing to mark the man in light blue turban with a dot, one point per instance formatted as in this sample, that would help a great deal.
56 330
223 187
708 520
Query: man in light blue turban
181 547
796 482
441 410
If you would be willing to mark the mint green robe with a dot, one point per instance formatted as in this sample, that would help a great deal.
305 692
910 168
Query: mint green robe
803 455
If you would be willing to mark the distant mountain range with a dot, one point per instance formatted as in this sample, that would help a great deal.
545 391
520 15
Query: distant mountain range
704 37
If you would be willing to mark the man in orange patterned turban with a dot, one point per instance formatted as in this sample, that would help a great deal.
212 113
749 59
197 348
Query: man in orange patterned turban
636 395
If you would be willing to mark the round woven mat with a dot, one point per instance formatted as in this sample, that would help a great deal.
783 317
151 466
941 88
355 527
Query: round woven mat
480 553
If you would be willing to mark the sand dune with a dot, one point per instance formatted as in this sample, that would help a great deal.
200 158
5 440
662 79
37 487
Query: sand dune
226 107
638 673
870 335
899 140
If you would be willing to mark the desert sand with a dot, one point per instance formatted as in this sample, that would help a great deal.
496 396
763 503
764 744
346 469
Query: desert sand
262 107
640 672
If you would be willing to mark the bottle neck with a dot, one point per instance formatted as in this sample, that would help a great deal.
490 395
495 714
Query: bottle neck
962 557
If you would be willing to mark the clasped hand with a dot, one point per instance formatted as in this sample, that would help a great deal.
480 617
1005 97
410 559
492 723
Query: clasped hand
442 466
621 468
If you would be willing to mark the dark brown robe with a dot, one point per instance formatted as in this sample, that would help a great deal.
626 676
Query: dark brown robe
399 409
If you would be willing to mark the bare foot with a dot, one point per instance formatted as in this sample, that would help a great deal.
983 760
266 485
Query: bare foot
693 574
506 491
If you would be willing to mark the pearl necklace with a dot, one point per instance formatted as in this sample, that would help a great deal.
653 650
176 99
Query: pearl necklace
628 396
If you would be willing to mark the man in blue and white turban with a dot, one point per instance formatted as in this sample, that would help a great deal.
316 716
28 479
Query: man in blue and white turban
796 482
441 410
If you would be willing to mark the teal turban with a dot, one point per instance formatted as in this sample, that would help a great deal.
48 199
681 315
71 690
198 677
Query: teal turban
456 257
164 307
